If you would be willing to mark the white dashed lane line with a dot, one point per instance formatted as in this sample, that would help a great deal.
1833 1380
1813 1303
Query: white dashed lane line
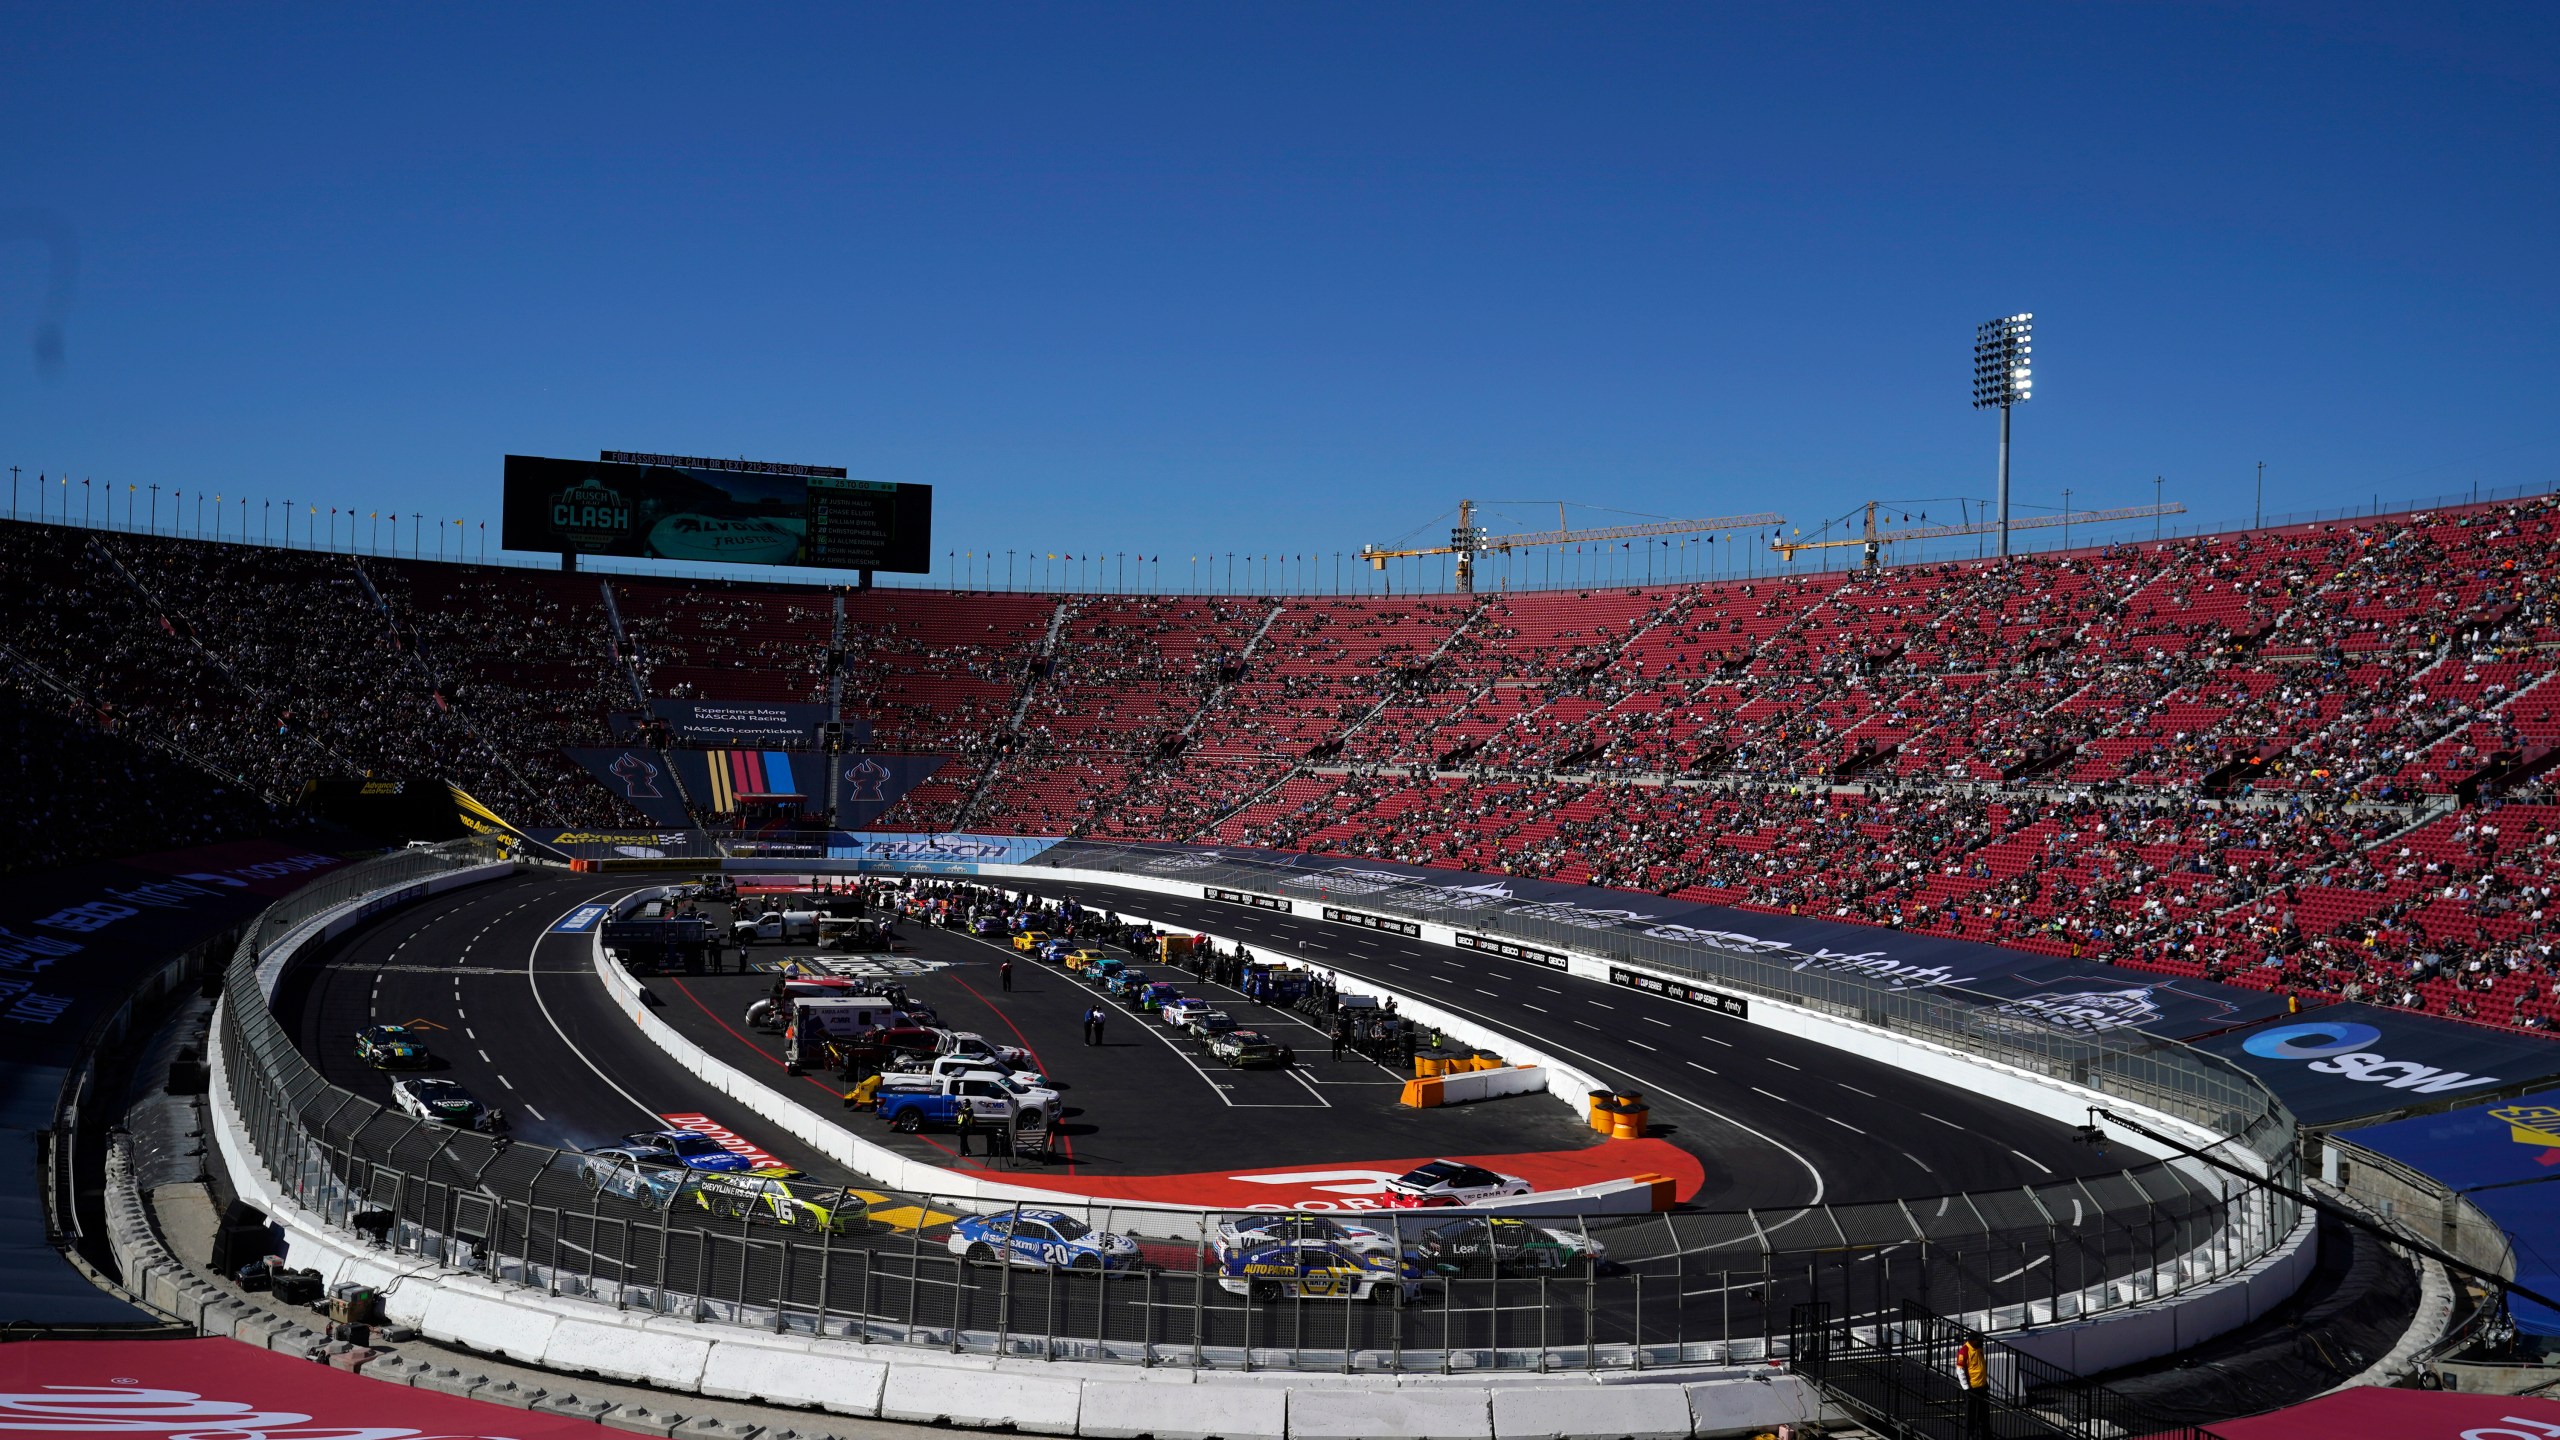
1843 1124
1694 1065
1725 1043
1541 1009
1784 1065
1640 1045
1950 1124
1585 1024
2030 1159
1482 991
1923 1164
1550 989
536 1114
1781 1099
1665 1024
1854 1090
1603 1004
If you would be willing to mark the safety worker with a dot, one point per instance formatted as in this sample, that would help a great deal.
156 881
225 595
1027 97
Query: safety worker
966 1123
1975 1370
1004 974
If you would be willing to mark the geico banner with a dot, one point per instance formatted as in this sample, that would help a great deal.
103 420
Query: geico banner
2081 996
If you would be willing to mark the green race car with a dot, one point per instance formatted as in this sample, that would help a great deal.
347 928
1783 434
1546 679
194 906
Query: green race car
390 1047
1243 1048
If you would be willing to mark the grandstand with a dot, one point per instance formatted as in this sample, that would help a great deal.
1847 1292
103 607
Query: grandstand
2306 759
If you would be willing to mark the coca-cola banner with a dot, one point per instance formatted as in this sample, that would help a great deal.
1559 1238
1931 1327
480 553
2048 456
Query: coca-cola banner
219 1387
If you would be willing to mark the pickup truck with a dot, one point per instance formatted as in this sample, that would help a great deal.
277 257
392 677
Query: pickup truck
786 926
971 1043
993 1098
946 1067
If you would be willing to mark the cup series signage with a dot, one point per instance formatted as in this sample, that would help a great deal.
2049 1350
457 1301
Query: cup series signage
1698 995
1513 950
1258 902
1373 922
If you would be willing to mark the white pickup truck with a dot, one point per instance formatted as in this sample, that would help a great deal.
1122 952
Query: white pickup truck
993 1098
784 927
927 1069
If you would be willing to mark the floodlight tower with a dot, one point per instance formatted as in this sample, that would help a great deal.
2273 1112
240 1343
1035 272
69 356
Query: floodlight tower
2003 376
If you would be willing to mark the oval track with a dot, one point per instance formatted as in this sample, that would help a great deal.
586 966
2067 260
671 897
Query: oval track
526 1025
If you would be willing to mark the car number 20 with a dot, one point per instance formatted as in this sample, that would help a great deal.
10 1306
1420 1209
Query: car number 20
1050 1252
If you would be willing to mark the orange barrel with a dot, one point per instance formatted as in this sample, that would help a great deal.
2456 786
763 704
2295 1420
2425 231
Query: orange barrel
1601 1101
1628 1122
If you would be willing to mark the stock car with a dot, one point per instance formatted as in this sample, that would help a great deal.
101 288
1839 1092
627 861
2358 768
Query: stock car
650 1174
1479 1243
1241 1048
1030 941
1082 959
1123 983
1276 1272
1158 995
440 1100
1262 1231
1041 1240
1210 1024
390 1047
1452 1182
1178 1014
788 1196
692 1150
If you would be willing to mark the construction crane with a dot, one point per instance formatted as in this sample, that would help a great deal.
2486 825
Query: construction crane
1467 540
1875 540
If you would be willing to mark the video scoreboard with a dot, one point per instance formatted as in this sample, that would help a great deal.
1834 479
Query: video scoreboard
672 507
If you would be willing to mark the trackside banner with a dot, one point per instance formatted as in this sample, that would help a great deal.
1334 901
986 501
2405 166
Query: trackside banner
954 854
222 1387
74 942
2343 1061
2332 1064
2078 995
637 776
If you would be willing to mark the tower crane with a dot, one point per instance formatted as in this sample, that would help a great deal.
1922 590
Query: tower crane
1467 540
1875 540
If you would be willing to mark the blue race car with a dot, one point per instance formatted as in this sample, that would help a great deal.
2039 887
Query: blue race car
1318 1270
691 1150
1041 1240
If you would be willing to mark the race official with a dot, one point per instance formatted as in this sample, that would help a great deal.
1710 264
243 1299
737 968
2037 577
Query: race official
966 1124
1004 974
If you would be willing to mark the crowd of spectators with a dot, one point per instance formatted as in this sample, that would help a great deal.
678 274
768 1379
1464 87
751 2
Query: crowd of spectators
2278 757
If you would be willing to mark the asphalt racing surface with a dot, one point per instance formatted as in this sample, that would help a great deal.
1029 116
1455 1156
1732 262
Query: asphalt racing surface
514 1012
1149 1115
1778 1120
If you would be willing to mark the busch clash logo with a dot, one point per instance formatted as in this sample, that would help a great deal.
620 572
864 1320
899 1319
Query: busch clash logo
2085 1012
590 516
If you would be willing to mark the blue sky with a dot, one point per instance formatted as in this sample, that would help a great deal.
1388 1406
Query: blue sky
1225 278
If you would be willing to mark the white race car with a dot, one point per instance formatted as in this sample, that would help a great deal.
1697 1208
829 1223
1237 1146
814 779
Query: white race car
1180 1013
1451 1182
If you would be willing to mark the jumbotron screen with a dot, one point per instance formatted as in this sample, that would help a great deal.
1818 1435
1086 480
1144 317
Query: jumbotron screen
740 516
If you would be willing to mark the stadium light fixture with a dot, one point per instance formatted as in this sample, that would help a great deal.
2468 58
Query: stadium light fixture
2004 375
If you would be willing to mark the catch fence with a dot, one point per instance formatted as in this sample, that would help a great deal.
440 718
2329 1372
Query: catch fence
1450 1291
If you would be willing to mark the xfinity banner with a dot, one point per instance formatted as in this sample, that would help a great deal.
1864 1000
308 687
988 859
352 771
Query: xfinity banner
2076 995
2341 1062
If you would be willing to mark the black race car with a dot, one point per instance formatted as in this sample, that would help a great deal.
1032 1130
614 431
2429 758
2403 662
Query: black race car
1508 1242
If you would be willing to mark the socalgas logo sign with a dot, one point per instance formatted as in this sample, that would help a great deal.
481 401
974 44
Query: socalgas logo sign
2338 1048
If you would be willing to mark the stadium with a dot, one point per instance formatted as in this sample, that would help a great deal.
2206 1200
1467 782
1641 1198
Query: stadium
2130 960
1311 722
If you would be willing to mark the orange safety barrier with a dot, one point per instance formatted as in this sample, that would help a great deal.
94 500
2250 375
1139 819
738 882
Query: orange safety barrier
1422 1094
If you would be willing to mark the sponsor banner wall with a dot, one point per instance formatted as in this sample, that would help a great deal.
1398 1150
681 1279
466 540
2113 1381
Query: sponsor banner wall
2340 1062
632 844
74 942
222 1387
638 776
870 784
2078 995
2504 1142
950 853
753 724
